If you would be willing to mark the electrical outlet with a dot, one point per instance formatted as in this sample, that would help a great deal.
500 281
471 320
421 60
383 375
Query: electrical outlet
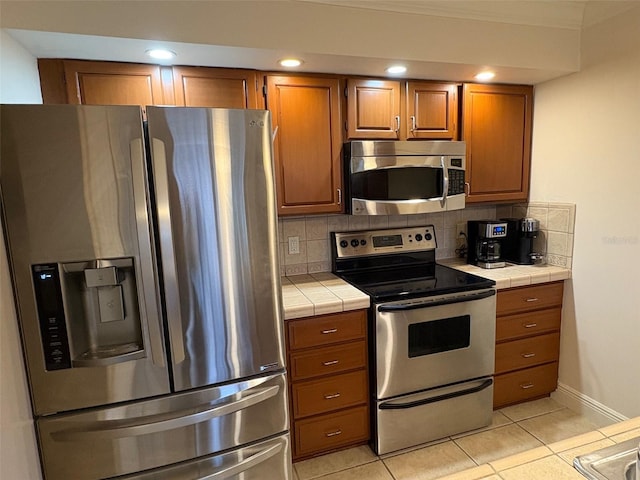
294 245
461 228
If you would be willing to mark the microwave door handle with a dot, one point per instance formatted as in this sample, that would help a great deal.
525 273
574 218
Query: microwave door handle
445 182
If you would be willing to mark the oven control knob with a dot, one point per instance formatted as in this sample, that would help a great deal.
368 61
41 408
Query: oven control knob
355 243
344 243
418 237
428 236
363 242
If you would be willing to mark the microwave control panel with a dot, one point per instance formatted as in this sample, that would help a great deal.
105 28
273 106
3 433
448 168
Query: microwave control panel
456 181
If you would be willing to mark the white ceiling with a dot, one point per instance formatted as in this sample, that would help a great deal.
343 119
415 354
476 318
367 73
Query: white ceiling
45 39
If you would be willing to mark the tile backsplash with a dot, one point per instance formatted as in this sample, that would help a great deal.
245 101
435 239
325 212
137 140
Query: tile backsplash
314 254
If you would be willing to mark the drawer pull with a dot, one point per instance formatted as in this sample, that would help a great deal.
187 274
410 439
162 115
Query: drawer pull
331 330
530 325
526 386
333 434
333 395
331 362
532 299
528 355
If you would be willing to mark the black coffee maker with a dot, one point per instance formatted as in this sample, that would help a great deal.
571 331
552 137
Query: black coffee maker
484 243
518 246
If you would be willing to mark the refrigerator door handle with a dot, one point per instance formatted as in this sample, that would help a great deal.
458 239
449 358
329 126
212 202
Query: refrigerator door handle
170 274
151 300
112 429
245 464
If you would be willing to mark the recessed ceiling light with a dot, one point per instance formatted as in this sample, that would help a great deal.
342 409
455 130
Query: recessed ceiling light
290 62
161 54
396 69
485 76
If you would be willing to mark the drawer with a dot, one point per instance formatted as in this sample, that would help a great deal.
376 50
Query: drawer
523 299
327 432
329 394
524 384
327 329
527 352
327 360
526 324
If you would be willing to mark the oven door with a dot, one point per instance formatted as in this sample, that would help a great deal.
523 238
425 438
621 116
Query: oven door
397 185
434 341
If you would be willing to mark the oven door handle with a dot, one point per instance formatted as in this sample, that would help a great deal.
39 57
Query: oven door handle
395 307
447 396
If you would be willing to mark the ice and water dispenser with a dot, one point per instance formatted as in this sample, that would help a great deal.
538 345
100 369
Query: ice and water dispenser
88 312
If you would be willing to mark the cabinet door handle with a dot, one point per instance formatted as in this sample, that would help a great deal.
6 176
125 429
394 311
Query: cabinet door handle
526 386
339 196
397 123
331 362
530 325
528 355
331 330
532 299
413 123
467 189
333 395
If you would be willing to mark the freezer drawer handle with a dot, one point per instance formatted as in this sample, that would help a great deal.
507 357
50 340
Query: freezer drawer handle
244 465
436 303
398 406
161 422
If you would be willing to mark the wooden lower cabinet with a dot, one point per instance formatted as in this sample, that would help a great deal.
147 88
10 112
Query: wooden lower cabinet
527 342
330 432
328 382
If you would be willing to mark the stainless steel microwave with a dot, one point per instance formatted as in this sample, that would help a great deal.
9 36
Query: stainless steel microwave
404 177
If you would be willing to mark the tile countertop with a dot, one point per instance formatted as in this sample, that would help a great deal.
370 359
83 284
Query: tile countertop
512 275
553 461
319 294
323 293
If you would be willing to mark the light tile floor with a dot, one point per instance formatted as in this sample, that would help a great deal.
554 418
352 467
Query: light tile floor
521 429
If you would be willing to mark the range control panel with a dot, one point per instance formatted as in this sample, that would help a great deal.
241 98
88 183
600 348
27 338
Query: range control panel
374 242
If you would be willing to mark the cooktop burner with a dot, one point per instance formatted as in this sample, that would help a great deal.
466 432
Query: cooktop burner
398 263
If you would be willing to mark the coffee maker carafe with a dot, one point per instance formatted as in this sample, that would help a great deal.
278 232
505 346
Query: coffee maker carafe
518 246
484 243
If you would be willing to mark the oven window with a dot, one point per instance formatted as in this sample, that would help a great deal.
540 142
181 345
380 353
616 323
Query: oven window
397 183
439 335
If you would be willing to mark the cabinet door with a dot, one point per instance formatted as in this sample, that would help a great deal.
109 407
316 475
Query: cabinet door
215 87
307 145
432 110
108 83
497 129
373 109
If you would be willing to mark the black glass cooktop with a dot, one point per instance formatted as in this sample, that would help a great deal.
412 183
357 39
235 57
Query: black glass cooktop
415 281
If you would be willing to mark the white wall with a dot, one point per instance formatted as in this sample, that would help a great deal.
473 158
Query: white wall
586 149
19 83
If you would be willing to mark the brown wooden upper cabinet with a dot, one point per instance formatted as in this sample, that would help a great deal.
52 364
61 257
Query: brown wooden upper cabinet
306 113
497 130
373 109
394 110
432 110
103 83
215 87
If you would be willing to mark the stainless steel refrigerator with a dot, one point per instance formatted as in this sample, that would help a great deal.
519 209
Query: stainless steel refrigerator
146 277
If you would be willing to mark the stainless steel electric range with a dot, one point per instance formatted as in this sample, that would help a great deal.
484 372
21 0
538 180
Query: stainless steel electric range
431 336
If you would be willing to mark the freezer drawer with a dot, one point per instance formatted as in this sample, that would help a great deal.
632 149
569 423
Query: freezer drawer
122 440
424 416
268 460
